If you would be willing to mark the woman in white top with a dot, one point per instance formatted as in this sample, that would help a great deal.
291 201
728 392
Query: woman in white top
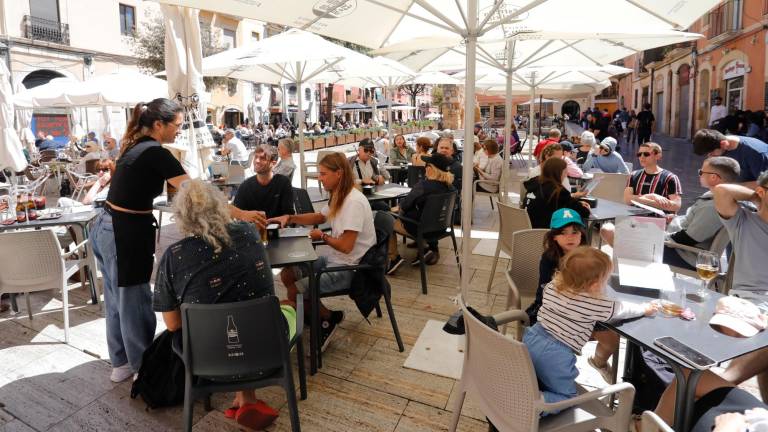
492 169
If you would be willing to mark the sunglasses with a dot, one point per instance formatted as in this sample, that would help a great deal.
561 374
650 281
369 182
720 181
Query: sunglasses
369 150
707 172
644 154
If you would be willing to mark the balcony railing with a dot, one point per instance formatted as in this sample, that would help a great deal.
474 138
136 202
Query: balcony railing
46 30
724 18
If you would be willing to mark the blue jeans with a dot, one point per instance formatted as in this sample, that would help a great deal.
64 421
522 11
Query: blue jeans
130 320
554 362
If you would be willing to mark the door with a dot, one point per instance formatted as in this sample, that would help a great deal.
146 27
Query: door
683 111
734 92
659 111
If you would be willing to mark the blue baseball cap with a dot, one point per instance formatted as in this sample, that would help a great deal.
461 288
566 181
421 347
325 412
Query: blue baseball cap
563 217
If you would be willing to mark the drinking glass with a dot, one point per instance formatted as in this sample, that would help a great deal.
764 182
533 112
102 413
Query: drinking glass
672 302
707 267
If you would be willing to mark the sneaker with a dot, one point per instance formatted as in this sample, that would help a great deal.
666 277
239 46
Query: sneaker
327 329
337 317
395 264
432 258
605 370
121 373
427 255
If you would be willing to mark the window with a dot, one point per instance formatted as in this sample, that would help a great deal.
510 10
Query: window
45 9
734 94
725 18
255 37
228 39
127 20
635 102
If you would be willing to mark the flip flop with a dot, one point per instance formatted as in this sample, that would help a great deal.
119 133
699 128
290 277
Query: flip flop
231 412
256 416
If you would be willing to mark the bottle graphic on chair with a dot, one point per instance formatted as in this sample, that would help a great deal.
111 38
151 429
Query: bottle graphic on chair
232 336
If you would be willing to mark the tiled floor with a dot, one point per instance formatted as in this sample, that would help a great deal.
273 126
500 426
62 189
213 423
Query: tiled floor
46 385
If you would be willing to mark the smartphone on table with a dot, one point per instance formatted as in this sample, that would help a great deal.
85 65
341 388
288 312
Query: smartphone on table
683 352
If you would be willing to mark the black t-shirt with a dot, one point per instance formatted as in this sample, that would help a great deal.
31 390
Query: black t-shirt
645 119
140 174
275 198
191 272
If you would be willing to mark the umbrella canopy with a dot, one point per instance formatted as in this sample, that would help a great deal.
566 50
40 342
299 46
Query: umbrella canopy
352 106
52 94
538 101
11 154
433 116
467 20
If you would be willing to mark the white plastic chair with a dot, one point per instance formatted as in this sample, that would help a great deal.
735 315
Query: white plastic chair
315 174
500 376
32 261
490 195
651 422
511 220
80 182
523 276
611 187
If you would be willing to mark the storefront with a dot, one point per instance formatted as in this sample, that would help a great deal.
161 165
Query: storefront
733 75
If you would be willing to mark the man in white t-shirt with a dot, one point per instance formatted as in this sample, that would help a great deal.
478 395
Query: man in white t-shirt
717 111
235 148
352 234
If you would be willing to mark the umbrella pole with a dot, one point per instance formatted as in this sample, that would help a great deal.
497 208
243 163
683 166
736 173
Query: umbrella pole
467 171
507 130
531 121
300 121
540 118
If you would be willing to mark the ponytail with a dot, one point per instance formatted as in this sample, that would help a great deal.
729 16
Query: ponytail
144 117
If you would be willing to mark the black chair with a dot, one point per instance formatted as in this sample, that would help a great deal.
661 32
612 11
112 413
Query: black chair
373 266
239 346
301 201
415 174
436 223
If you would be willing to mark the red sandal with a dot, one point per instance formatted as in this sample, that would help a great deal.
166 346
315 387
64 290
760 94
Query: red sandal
256 416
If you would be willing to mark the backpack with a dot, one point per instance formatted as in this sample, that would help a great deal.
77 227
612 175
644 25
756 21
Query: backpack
160 381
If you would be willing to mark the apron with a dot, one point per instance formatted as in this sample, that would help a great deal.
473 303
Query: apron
134 245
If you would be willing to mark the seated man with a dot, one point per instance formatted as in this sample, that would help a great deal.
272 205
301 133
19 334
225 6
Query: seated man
232 146
219 261
266 192
700 223
651 185
352 234
749 236
750 153
437 180
285 165
553 137
446 147
365 167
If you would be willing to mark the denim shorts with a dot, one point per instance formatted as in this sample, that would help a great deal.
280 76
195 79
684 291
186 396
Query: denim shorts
554 362
329 282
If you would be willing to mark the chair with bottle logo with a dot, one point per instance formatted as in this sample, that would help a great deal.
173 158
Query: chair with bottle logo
239 346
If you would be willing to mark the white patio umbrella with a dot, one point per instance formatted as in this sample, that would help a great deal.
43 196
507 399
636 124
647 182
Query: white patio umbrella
124 88
50 95
11 154
465 20
298 57
183 62
23 127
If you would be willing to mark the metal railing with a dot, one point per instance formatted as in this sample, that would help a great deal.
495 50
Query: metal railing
724 18
46 30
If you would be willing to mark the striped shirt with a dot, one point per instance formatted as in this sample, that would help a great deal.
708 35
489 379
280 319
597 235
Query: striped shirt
571 317
663 183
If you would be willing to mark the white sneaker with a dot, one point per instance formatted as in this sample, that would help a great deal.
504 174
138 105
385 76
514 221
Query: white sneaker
122 373
605 370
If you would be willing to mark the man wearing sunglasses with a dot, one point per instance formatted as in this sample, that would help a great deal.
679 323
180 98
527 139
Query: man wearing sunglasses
653 185
750 153
365 166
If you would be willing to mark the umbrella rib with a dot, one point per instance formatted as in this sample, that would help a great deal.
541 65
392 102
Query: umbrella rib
321 69
440 16
522 80
462 13
426 20
490 57
573 47
588 76
547 78
478 59
541 48
650 12
394 27
512 16
621 45
493 10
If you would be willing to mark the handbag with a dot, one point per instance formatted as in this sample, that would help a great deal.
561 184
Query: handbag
160 381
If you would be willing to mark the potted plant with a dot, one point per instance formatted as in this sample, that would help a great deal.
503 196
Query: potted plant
307 143
330 140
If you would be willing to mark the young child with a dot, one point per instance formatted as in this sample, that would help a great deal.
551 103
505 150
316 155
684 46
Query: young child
573 302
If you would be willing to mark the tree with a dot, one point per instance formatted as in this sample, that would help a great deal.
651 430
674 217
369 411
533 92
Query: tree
413 90
437 97
148 45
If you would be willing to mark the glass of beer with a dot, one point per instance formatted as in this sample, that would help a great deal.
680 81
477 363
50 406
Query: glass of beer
263 231
707 267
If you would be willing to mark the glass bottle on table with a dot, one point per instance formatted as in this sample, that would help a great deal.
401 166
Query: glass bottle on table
707 267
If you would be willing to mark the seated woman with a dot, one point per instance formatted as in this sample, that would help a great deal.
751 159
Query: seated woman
606 158
492 169
97 191
352 234
219 261
401 153
438 180
566 233
586 142
545 194
553 151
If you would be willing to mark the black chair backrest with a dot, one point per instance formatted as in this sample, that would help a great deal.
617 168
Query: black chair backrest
415 174
301 201
230 340
92 166
437 215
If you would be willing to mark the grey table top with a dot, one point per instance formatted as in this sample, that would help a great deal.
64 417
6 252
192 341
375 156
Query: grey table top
79 218
287 251
607 210
376 196
697 334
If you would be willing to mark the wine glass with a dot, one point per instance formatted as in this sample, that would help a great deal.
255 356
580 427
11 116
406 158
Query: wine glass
707 267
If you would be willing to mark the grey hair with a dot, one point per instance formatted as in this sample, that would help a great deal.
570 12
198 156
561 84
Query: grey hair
287 143
201 210
588 137
727 168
